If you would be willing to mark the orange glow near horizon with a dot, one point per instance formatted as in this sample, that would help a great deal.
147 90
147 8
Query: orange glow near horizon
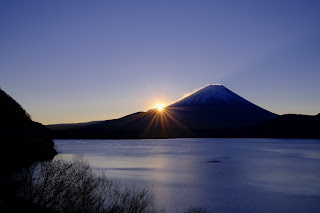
160 106
161 122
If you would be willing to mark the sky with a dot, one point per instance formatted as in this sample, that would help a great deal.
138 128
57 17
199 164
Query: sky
76 61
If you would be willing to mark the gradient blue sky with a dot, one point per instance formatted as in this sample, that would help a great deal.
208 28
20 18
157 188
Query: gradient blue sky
72 61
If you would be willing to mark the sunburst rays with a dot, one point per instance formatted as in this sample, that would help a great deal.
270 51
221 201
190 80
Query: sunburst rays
163 123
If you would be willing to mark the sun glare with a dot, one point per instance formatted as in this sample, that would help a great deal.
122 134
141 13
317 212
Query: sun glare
160 106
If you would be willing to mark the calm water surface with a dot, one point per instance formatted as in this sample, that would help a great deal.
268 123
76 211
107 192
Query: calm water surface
222 175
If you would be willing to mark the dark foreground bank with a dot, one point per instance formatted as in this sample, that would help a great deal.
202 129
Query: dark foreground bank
23 142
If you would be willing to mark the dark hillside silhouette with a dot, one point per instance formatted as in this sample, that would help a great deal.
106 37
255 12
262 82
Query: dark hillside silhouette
23 141
213 111
289 126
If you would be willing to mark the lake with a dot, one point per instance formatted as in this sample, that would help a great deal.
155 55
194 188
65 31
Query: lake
222 175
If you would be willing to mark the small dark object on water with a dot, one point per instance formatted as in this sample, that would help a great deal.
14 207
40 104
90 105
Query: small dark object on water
217 160
213 161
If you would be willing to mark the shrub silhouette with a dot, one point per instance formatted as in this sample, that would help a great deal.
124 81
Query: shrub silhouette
65 185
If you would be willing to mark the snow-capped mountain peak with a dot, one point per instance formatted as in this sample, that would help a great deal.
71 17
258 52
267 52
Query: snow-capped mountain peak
210 95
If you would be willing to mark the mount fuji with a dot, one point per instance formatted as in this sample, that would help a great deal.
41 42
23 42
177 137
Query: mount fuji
212 111
217 106
210 96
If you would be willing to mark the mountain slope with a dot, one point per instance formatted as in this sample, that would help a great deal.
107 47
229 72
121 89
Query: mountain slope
215 105
211 111
209 96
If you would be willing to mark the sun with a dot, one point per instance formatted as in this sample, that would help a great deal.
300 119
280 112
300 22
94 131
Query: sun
160 107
